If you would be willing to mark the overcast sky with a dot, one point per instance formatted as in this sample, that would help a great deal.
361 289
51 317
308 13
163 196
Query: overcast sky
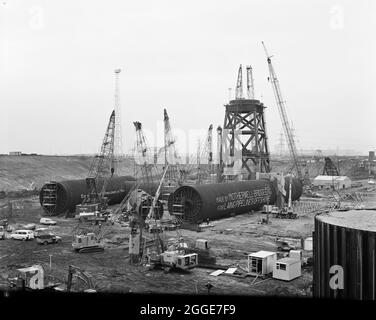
58 58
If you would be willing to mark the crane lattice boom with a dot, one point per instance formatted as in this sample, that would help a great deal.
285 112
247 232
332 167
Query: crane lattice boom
144 159
102 166
282 112
250 83
207 154
239 84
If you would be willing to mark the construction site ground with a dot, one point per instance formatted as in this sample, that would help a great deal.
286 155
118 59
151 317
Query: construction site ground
230 240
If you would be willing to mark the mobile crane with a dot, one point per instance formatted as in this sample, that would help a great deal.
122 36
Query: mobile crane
101 171
94 204
285 122
141 247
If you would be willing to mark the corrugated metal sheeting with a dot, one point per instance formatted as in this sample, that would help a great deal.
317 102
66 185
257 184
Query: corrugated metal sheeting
344 255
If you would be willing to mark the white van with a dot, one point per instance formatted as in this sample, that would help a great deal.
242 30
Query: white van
47 221
22 235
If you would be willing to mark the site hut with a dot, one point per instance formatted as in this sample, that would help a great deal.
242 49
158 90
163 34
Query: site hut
261 262
332 182
308 244
287 269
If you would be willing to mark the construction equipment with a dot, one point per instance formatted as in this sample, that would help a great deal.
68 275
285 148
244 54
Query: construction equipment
82 275
174 257
206 170
101 170
117 214
176 174
141 246
87 243
178 260
137 241
285 121
287 212
144 159
239 85
250 83
289 208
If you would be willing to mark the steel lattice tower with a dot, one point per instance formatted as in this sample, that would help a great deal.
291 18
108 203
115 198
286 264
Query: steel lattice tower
245 128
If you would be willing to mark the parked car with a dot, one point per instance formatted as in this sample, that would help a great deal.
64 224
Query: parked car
2 233
284 246
29 226
48 238
40 231
22 235
47 221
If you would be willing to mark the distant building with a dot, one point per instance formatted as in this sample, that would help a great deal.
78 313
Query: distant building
332 182
15 153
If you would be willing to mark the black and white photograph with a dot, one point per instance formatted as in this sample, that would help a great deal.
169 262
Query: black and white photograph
203 150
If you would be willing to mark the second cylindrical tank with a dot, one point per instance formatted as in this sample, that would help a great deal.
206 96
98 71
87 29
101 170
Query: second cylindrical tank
196 203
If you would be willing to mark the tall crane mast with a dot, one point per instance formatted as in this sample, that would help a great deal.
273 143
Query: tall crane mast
239 84
250 83
283 114
207 154
170 152
145 160
102 167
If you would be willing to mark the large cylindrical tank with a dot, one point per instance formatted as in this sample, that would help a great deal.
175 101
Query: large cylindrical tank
63 196
344 255
196 203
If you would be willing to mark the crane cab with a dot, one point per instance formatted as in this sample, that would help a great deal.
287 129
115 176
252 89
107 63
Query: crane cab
175 259
86 243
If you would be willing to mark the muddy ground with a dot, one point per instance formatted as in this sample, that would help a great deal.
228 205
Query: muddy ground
230 241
